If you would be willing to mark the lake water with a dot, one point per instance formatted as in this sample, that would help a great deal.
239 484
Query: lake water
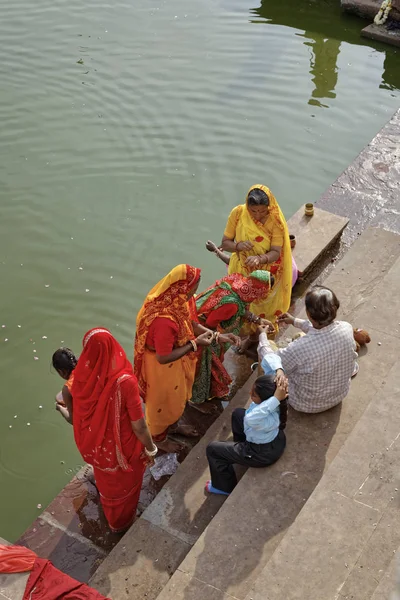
128 132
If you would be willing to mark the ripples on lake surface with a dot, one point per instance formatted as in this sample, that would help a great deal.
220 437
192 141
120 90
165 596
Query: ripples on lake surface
128 132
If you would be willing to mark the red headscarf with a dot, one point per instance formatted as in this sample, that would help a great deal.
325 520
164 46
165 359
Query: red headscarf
97 400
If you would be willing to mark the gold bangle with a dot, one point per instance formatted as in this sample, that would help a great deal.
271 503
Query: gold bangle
217 334
194 345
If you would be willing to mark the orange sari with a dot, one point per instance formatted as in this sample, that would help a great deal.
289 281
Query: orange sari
166 388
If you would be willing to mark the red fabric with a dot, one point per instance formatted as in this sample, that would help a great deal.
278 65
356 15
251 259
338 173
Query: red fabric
162 335
48 583
16 559
223 313
249 289
106 400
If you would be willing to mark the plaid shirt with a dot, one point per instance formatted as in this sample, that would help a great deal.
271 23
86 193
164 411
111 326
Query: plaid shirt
318 365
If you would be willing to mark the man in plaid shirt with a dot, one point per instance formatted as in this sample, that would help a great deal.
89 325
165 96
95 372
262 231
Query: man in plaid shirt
319 365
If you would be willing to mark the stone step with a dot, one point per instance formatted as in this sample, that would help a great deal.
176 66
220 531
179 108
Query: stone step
149 553
349 530
390 581
367 9
381 33
242 538
314 235
181 511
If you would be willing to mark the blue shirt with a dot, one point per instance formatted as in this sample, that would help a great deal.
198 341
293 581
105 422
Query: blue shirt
261 421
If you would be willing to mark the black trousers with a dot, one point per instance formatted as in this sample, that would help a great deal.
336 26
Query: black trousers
223 455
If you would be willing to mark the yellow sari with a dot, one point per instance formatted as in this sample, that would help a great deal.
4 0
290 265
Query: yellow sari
274 232
166 388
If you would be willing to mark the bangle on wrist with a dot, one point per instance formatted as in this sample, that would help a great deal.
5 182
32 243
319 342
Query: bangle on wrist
151 453
194 345
236 246
217 334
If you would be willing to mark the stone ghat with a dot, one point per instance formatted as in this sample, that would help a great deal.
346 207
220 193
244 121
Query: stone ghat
71 531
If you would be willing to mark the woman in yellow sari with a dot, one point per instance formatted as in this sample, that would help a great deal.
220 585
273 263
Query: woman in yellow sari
258 237
166 353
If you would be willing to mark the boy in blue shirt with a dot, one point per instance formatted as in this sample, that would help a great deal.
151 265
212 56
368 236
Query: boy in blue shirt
258 436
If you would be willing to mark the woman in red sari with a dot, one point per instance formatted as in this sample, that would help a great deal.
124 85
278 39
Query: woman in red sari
109 426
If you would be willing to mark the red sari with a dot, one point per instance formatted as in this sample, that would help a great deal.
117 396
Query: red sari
106 400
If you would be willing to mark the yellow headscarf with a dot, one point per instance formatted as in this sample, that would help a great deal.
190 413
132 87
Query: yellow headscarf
259 234
168 299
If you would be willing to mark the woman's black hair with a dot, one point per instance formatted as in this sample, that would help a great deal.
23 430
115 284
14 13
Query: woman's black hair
64 360
322 305
265 387
257 197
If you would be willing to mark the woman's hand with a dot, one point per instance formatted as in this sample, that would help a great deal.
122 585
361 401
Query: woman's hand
230 338
253 262
148 460
286 318
268 324
244 246
205 339
280 393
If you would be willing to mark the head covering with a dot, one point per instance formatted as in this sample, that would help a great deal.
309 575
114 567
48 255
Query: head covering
168 299
252 288
96 399
234 289
259 234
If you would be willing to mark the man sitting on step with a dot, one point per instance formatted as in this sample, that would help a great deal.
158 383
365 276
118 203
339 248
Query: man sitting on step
320 364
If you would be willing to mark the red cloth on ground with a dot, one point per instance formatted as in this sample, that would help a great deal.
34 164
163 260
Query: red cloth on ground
162 336
106 400
48 583
16 559
223 313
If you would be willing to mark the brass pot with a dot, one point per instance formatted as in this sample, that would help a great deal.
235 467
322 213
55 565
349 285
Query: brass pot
309 209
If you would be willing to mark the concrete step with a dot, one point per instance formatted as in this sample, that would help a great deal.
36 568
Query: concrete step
367 9
381 33
314 235
156 544
349 530
389 586
241 539
181 511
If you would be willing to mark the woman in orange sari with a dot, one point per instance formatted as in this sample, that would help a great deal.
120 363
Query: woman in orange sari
109 426
165 352
258 237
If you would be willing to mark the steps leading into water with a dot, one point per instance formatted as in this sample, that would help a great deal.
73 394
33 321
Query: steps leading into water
381 33
239 542
367 9
156 544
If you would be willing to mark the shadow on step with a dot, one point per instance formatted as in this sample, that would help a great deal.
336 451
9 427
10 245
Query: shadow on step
246 531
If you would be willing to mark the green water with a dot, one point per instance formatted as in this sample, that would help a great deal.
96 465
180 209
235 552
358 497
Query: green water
125 162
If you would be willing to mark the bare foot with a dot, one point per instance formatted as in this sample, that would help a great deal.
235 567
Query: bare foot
206 408
169 446
185 430
87 474
211 247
